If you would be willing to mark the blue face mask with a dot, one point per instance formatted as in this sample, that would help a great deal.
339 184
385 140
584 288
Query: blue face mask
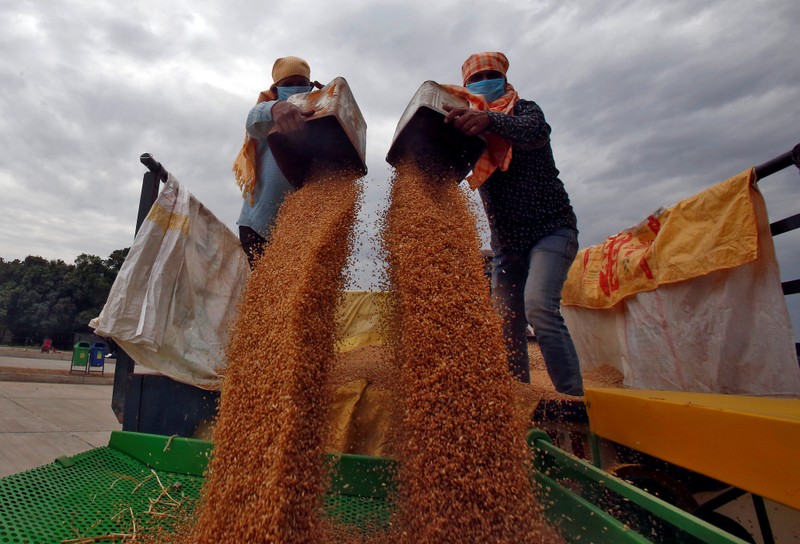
490 89
286 92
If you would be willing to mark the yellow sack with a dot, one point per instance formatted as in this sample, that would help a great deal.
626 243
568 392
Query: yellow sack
359 319
360 420
713 230
710 318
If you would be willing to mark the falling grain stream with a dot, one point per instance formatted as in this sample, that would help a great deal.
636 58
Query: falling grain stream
266 477
464 462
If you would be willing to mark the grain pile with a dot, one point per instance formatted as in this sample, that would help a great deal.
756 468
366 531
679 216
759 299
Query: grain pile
266 477
464 462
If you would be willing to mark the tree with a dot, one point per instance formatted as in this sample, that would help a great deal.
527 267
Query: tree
5 303
117 257
41 298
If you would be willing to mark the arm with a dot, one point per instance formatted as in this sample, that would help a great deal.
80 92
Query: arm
259 120
284 116
528 129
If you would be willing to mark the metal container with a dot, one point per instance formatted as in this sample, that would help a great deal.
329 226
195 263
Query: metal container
334 138
424 137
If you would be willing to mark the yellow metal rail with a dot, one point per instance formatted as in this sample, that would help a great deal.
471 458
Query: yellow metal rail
749 442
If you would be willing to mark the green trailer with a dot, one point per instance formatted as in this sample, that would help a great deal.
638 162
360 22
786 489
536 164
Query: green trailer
141 482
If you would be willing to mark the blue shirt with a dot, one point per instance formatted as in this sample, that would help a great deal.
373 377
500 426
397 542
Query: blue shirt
272 187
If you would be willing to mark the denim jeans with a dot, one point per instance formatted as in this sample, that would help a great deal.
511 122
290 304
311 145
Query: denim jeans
526 290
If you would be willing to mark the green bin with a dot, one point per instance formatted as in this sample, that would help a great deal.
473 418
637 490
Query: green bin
80 356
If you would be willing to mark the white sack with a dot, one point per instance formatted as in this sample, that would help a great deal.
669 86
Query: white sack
726 332
177 292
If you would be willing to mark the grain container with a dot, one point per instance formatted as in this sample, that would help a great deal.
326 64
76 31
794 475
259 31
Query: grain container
334 138
423 136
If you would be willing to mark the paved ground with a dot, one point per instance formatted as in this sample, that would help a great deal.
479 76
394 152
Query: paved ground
31 365
42 421
24 371
46 412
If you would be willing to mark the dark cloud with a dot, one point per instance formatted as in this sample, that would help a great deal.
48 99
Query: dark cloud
649 102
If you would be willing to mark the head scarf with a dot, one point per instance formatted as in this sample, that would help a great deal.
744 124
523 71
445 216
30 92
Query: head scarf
481 62
245 165
498 150
290 66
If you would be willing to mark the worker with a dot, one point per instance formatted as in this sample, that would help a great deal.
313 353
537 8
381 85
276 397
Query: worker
533 227
263 185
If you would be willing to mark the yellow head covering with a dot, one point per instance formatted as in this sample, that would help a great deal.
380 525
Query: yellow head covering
290 66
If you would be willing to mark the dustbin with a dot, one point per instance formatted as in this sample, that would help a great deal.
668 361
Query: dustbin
97 357
80 356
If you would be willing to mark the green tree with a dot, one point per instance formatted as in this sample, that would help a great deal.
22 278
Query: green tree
41 298
117 257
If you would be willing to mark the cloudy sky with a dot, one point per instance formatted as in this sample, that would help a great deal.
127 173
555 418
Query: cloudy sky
650 102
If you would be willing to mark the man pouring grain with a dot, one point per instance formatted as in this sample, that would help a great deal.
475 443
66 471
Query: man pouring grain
533 227
263 185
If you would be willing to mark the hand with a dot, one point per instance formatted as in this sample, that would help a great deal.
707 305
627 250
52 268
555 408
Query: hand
288 117
470 122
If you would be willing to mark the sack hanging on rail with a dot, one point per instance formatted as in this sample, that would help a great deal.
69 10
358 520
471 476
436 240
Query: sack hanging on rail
177 291
688 300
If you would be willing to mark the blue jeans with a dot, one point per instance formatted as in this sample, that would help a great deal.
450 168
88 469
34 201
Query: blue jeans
526 289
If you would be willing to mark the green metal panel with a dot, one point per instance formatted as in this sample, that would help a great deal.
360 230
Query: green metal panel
184 455
96 493
598 486
361 475
578 520
82 496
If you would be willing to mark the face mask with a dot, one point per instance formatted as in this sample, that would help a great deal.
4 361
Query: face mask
490 89
286 92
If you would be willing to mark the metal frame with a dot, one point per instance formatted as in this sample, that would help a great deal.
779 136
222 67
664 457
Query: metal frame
597 487
786 224
125 365
730 493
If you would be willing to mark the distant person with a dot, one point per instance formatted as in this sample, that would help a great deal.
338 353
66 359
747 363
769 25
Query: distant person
47 346
263 185
533 227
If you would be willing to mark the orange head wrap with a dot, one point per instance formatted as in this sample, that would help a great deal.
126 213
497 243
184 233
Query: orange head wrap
498 151
481 62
